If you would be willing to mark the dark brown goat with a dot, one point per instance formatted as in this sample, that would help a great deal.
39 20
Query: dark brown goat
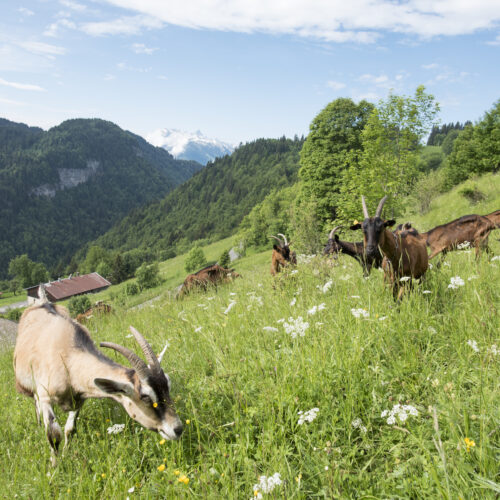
354 250
98 309
472 229
405 253
281 256
210 275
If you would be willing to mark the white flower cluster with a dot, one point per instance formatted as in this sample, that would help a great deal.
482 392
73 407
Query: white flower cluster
400 411
296 327
255 300
116 429
266 485
198 329
464 245
405 278
270 329
307 416
345 277
304 259
494 350
315 309
497 257
230 306
357 423
473 345
293 301
455 282
326 286
357 313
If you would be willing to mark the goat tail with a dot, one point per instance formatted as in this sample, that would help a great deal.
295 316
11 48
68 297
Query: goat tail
42 295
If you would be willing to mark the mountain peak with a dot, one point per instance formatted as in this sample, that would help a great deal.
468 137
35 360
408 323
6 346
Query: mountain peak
189 145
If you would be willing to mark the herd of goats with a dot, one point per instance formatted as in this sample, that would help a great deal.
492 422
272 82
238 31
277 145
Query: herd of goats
56 361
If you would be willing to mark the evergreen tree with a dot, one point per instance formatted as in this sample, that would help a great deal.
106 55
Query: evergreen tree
224 259
195 260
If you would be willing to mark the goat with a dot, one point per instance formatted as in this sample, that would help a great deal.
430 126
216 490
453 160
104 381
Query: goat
472 229
210 275
405 253
354 250
281 256
494 217
56 362
99 308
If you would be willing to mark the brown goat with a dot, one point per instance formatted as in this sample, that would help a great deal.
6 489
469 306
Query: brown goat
494 217
99 308
210 275
281 256
405 253
472 229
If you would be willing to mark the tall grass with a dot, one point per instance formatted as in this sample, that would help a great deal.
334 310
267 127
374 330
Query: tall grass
239 387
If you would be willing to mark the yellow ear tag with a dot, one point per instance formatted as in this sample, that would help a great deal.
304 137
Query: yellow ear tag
155 405
355 222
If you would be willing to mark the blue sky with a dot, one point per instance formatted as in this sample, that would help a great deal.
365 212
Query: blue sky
242 69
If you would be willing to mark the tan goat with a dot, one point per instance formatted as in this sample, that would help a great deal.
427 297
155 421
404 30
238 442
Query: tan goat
56 362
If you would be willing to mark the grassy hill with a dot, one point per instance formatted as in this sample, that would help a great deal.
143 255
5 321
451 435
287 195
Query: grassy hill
242 377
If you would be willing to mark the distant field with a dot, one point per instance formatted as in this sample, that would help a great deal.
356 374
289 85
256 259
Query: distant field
407 397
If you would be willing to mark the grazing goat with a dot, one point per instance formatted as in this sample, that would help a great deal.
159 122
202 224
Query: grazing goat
56 362
99 308
355 250
405 253
210 275
281 256
472 229
494 217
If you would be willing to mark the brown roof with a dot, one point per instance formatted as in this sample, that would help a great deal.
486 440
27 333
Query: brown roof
75 285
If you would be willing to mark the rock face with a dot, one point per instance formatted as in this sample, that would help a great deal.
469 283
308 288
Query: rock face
68 178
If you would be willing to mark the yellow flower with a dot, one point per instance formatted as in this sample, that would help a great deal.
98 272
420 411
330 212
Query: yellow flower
108 420
103 475
155 405
176 472
161 467
188 422
183 479
162 441
469 443
255 492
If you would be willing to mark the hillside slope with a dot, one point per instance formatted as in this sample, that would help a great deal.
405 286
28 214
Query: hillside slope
64 187
213 202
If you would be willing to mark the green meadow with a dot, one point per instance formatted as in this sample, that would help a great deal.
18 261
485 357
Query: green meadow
405 398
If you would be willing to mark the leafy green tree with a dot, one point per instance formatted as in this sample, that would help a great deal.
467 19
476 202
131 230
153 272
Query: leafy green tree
388 163
334 139
119 269
14 286
39 274
430 158
449 140
224 259
104 269
148 275
195 259
21 268
131 289
94 257
79 304
4 285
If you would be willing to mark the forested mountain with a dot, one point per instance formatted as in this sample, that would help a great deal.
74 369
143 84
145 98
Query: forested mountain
213 202
64 187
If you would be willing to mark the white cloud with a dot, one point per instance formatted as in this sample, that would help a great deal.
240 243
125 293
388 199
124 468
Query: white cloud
125 67
11 102
73 5
25 12
335 85
21 86
41 48
54 28
380 81
430 66
131 25
140 48
331 20
494 42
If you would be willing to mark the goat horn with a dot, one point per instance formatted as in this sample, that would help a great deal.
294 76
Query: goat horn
277 239
146 349
365 210
284 237
330 236
135 361
380 206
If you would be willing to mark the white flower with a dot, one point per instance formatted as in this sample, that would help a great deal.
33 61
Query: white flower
212 471
296 327
465 244
318 324
307 416
295 271
497 257
315 309
455 282
382 318
357 313
232 294
293 301
230 306
473 277
432 330
116 429
197 330
494 350
405 278
426 292
266 484
355 297
447 264
304 259
473 345
430 266
270 329
402 412
131 490
327 286
357 423
345 277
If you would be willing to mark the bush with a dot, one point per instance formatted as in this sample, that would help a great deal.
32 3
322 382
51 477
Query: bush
79 304
148 275
195 260
131 289
14 314
224 259
472 193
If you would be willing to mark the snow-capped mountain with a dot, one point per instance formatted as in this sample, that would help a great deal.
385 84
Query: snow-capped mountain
189 145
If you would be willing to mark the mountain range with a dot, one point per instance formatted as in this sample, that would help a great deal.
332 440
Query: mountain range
189 145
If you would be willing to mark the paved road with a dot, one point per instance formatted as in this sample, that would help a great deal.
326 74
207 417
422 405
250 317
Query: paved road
4 309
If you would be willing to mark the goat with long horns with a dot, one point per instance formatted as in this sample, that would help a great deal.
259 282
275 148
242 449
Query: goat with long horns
281 256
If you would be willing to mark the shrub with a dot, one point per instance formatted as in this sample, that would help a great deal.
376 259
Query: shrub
148 275
472 193
224 259
14 314
195 259
131 289
79 304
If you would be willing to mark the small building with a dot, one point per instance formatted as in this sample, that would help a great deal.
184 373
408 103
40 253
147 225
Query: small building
64 288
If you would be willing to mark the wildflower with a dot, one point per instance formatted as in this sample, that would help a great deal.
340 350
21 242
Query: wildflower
161 467
282 320
431 330
430 266
382 318
469 443
230 306
358 424
435 382
345 277
326 467
494 350
131 490
355 297
183 479
405 278
155 405
163 441
455 282
315 309
116 429
103 475
497 257
295 271
188 421
293 301
212 471
198 330
307 416
176 472
298 478
296 327
473 345
473 277
357 313
266 484
464 245
425 292
327 286
400 411
270 329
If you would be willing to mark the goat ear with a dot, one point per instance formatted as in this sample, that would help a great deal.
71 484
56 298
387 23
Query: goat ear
389 223
276 247
113 387
355 226
336 236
